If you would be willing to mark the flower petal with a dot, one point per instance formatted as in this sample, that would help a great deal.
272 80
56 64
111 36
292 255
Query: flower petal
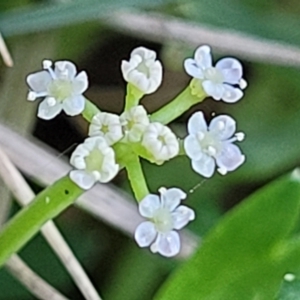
149 205
39 81
223 127
205 166
181 216
170 198
193 69
231 69
145 234
215 90
74 105
230 157
108 172
167 244
47 112
82 179
145 53
231 94
203 57
80 83
192 147
65 69
197 123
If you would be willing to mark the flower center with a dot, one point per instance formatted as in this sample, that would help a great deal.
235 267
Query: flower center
209 143
163 220
60 89
214 75
105 129
94 160
143 69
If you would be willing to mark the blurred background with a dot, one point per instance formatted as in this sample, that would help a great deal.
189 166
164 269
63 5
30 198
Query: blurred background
97 35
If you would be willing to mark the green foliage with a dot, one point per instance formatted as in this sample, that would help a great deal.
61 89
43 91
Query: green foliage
45 17
246 255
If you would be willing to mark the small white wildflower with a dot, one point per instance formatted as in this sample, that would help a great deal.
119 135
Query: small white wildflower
134 122
106 125
160 141
165 215
143 70
61 88
94 161
224 81
213 145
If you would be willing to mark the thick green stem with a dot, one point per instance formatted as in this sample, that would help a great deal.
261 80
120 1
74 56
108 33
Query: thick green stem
137 178
90 110
183 102
46 206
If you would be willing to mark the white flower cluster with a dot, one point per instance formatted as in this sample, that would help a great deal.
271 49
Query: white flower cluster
96 159
164 214
224 81
213 145
61 88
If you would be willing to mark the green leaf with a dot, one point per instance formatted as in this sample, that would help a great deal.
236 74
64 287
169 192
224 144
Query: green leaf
46 206
246 255
36 18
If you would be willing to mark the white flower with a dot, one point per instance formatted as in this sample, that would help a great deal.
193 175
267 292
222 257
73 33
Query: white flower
224 81
106 125
94 161
164 216
143 70
61 88
161 142
213 145
134 122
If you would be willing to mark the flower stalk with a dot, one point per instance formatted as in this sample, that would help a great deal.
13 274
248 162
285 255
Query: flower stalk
47 205
174 109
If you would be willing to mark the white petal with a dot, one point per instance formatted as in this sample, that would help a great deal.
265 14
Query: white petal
82 179
65 69
39 81
145 53
192 147
231 69
80 83
193 69
108 172
215 90
170 198
181 216
74 105
203 57
47 112
223 127
167 244
231 94
149 205
204 166
230 157
145 234
197 123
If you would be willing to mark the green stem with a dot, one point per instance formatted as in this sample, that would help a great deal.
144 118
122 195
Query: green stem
90 110
46 206
137 178
183 102
133 96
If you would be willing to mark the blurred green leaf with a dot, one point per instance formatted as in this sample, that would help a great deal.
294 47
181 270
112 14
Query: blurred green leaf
246 255
36 18
290 290
260 21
